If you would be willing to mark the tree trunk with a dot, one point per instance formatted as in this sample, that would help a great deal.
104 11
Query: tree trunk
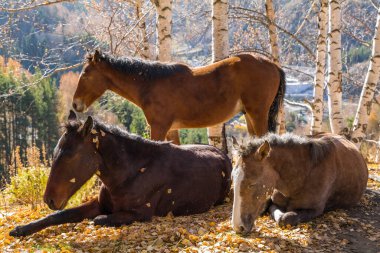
319 81
220 50
220 43
145 53
276 57
272 31
368 91
334 83
164 28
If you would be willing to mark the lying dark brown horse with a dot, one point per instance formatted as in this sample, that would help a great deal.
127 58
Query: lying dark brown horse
141 178
303 177
175 96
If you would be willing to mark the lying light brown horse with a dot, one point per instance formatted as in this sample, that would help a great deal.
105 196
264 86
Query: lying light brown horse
175 96
303 177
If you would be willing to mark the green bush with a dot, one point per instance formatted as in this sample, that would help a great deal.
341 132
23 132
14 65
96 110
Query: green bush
193 136
27 186
27 183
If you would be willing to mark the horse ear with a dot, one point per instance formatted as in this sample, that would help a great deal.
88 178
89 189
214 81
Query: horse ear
263 151
72 116
96 56
87 126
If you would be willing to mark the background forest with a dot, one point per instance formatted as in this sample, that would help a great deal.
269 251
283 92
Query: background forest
42 45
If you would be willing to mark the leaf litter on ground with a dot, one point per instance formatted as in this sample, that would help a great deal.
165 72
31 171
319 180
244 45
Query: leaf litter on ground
353 230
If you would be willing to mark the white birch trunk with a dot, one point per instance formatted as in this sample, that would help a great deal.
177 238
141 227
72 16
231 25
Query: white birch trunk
319 81
145 53
220 50
272 31
275 51
220 43
368 91
164 28
334 83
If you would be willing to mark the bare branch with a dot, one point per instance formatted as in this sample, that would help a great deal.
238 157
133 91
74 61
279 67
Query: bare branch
34 6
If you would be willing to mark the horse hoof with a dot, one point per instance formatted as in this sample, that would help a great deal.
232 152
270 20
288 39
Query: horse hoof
101 220
289 219
17 232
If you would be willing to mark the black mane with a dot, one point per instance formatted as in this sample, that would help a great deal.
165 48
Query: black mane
71 126
146 69
319 148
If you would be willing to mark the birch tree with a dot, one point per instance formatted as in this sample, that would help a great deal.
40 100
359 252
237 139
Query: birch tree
319 81
220 50
145 53
164 29
368 91
275 51
334 83
272 31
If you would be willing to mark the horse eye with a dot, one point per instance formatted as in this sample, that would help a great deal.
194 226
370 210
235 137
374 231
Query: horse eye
252 185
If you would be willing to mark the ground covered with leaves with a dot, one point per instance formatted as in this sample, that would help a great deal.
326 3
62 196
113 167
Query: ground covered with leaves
353 230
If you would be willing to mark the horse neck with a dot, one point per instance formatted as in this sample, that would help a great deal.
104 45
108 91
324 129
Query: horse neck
123 158
128 85
291 165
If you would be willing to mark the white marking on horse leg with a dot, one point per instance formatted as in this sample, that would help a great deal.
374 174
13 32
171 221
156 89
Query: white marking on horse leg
276 213
236 210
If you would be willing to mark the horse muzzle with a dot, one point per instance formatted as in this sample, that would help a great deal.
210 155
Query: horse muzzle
79 106
245 226
53 204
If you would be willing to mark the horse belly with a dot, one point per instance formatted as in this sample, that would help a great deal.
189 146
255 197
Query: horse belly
203 182
211 116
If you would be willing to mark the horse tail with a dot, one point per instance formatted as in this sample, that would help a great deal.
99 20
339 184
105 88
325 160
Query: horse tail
277 102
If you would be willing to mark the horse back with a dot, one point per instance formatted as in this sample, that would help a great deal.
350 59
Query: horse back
351 172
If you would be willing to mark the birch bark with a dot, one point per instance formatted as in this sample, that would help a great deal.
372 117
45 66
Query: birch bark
220 50
319 81
334 83
164 28
275 51
145 53
368 91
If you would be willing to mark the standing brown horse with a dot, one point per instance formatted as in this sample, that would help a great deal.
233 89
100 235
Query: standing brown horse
141 178
175 96
303 177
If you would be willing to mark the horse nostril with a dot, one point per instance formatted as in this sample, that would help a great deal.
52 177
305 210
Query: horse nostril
241 229
50 203
75 106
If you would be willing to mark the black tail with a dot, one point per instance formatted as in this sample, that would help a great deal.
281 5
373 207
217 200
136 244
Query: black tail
277 102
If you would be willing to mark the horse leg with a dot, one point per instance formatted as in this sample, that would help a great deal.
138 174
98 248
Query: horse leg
158 133
279 199
142 213
260 122
121 218
87 210
173 135
293 218
250 128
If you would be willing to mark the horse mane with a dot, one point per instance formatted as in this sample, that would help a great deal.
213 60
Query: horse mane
147 69
318 147
74 125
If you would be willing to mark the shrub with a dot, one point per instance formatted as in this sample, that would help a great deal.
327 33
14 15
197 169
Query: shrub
28 183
